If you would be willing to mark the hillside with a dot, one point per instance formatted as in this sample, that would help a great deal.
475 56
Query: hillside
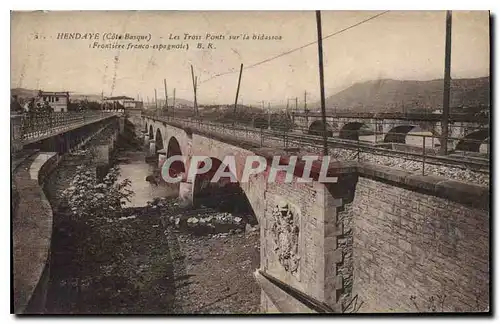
23 93
398 95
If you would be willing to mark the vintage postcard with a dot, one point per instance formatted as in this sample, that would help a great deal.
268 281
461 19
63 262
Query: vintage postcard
250 162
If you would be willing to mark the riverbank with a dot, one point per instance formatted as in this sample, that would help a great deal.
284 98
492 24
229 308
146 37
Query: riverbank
214 275
138 264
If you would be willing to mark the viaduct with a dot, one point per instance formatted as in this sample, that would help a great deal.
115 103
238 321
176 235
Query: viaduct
376 240
466 131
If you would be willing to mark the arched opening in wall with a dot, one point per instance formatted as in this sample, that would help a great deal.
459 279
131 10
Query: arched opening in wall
260 122
174 149
398 134
316 128
158 141
472 142
281 121
412 138
151 132
223 195
352 131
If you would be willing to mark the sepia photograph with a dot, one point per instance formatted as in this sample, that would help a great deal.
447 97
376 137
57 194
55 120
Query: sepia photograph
250 162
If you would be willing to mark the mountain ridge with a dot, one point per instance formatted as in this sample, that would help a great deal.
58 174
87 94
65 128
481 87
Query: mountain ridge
390 95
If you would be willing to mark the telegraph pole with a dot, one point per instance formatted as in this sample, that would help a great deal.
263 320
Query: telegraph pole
173 104
194 90
238 90
166 93
296 104
156 102
447 83
268 115
305 101
321 81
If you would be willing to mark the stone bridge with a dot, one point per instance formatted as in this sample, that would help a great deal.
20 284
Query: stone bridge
466 132
374 239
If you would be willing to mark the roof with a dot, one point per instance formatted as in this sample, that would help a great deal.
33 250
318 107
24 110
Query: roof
119 98
53 93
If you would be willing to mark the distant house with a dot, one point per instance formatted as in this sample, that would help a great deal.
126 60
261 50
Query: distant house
57 100
125 102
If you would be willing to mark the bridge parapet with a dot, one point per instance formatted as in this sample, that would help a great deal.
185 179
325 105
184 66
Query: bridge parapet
28 128
454 117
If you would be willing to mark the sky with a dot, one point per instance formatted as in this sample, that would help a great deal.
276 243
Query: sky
395 45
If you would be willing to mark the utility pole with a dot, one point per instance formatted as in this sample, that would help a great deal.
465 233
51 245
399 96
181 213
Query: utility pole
156 102
296 104
196 94
237 90
166 93
447 82
194 90
305 101
321 81
268 115
173 104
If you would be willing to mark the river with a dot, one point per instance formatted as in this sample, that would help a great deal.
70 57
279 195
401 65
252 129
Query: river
132 165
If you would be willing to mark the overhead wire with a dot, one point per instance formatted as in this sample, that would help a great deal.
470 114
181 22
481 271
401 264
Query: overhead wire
298 48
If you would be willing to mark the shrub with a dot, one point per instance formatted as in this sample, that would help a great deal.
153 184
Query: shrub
89 198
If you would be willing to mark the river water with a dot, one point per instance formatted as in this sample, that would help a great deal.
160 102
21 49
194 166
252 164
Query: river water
132 165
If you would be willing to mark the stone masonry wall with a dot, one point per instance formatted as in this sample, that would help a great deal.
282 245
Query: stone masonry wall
302 198
414 252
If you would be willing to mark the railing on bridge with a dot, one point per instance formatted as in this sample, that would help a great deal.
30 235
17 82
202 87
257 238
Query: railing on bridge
424 116
344 149
28 127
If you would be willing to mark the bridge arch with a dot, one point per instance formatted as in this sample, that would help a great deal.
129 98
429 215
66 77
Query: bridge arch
281 121
174 149
398 134
158 140
350 130
224 194
151 132
472 141
316 128
260 122
403 134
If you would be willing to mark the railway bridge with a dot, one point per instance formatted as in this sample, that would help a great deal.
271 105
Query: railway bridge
466 131
373 238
